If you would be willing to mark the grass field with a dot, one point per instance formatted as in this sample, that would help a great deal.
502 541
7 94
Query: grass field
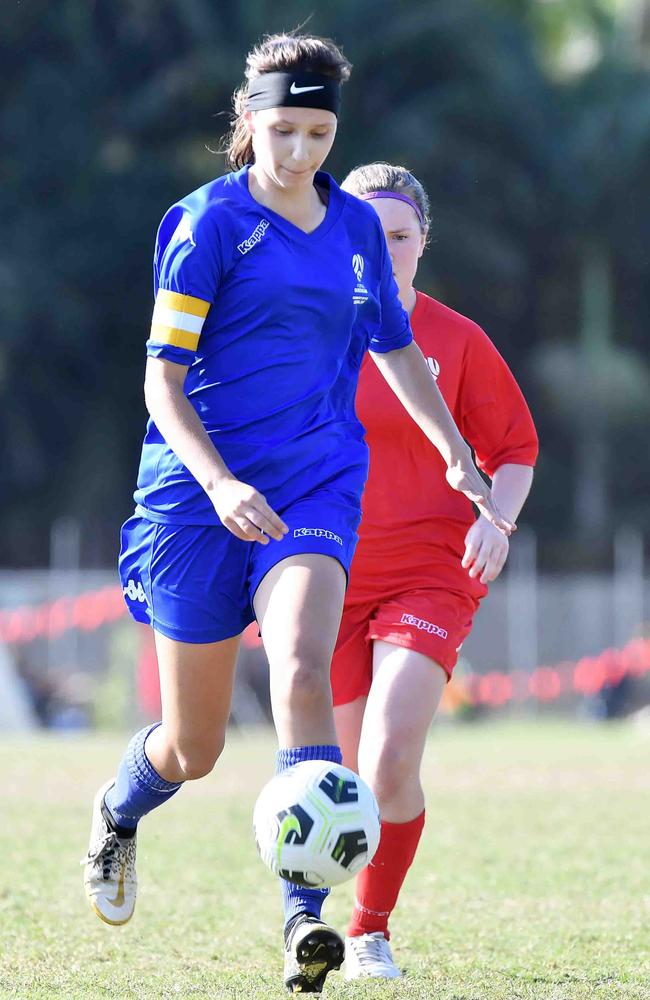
532 881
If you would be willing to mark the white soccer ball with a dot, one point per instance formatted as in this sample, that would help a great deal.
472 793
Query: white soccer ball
316 824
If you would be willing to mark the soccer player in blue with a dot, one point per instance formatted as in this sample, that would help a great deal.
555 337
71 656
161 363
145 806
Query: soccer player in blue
271 283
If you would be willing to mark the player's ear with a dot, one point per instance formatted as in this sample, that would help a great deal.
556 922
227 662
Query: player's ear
423 240
249 118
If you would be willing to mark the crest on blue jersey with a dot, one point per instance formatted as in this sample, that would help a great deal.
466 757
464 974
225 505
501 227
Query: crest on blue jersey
360 292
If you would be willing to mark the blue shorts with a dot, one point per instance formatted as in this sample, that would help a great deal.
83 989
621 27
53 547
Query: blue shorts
196 583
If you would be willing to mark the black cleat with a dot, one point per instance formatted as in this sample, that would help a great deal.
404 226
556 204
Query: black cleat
312 950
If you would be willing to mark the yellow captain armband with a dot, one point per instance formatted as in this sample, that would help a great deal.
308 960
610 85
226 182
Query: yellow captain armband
178 319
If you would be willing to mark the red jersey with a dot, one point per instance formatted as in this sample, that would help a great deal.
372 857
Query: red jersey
414 524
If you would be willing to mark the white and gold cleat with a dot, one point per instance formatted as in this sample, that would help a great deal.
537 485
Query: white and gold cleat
109 867
312 950
369 956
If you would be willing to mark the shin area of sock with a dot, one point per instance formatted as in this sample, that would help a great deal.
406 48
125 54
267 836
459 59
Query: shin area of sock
378 885
138 787
295 898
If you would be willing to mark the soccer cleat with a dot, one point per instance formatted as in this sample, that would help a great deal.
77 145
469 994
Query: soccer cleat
109 867
369 955
311 951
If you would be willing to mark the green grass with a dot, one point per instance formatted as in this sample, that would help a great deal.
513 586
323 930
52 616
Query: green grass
532 881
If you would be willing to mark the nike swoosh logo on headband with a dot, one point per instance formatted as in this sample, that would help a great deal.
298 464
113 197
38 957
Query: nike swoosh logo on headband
303 90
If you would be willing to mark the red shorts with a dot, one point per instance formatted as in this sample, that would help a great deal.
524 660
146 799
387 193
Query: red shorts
431 621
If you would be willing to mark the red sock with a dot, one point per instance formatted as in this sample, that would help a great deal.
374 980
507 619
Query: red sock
379 884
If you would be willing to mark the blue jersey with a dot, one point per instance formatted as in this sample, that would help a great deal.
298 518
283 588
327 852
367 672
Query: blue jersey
273 323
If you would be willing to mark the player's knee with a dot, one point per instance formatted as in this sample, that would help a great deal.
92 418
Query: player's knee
394 772
307 683
196 760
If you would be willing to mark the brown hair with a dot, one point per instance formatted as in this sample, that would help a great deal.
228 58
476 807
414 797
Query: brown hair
386 177
280 53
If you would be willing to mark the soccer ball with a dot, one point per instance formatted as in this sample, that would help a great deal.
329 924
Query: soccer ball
316 824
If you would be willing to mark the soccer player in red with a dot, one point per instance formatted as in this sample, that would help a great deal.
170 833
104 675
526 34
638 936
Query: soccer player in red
423 561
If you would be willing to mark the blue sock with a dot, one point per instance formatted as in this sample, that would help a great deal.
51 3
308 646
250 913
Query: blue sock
297 900
138 787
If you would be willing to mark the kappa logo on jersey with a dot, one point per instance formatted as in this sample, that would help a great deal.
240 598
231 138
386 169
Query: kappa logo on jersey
254 237
423 626
135 591
434 367
360 292
318 533
183 232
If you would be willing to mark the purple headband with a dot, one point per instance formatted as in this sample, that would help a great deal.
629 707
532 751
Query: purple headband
397 197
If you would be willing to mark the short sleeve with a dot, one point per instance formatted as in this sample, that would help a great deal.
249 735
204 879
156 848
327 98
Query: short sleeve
394 330
492 413
187 274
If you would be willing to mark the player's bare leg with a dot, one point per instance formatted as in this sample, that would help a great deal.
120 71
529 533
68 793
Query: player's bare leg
349 720
298 606
406 691
196 688
196 683
403 699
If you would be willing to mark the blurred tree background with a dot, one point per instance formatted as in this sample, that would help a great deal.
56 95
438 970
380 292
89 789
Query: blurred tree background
528 121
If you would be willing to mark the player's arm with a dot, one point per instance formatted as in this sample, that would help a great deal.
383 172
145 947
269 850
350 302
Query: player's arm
496 421
188 265
240 507
486 549
510 488
408 375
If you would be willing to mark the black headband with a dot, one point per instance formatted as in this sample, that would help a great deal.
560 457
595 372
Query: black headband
293 90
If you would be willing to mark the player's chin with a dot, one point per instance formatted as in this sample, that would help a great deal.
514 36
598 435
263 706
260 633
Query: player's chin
296 178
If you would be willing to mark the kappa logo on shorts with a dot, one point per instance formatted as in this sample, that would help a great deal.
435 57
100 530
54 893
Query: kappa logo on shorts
254 237
360 294
135 591
423 626
318 533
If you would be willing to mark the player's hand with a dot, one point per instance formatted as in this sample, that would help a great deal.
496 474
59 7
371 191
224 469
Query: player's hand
465 477
245 512
486 551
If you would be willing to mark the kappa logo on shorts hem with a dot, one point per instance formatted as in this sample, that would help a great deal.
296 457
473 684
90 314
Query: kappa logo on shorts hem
254 237
135 591
318 533
423 625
